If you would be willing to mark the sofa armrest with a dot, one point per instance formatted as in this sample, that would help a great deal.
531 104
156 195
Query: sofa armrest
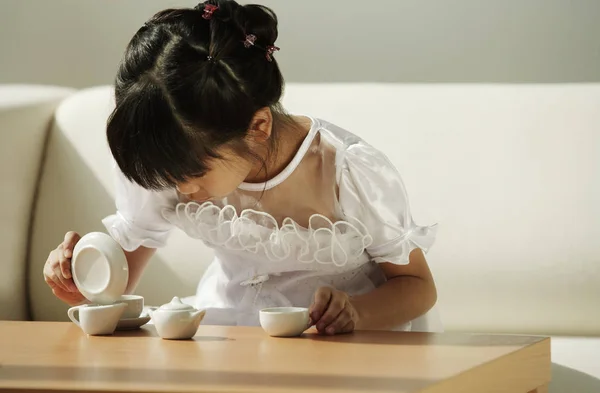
26 113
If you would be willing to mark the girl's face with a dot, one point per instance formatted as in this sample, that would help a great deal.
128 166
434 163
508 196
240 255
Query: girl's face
223 177
227 173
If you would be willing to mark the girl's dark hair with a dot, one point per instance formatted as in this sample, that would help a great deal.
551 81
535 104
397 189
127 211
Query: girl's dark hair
187 86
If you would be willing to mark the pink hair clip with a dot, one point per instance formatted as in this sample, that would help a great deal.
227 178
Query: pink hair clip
250 40
209 10
270 50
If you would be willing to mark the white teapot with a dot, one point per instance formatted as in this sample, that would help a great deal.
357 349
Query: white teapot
176 320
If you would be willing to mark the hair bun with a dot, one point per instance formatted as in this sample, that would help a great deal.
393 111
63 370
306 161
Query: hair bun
225 11
250 19
260 21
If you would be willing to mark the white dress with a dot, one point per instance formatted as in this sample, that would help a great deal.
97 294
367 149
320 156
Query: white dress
337 210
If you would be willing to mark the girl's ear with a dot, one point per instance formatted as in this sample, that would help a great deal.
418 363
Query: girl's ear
261 126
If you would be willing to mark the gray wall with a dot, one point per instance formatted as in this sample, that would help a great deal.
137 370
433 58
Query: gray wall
79 42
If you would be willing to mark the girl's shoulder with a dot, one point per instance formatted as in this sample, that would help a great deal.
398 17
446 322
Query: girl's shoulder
350 148
371 193
336 135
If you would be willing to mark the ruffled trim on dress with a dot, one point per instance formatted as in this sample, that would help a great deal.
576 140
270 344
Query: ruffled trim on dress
257 232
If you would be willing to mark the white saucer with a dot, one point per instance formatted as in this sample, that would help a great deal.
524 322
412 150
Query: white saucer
133 323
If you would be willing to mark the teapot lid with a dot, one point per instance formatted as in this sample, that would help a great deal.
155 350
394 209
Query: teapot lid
176 305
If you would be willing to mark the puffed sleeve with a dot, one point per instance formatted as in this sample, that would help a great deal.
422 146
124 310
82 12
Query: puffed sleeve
138 220
372 192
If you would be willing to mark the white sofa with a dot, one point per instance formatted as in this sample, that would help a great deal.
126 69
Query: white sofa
511 174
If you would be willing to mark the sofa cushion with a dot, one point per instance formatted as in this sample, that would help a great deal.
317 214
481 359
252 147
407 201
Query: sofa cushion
509 172
26 113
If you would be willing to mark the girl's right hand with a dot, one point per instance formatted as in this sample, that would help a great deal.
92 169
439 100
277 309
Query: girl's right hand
57 271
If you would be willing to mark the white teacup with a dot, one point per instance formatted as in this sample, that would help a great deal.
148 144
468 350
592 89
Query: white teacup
284 321
135 306
99 267
97 320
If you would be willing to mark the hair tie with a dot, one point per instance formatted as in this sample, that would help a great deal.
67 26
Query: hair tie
250 40
270 50
209 10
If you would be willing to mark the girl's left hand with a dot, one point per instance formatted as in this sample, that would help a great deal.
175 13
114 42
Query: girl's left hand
333 312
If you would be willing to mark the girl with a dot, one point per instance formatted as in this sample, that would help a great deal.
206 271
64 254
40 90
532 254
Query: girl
299 211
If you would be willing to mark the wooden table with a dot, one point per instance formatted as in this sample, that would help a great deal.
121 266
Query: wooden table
41 357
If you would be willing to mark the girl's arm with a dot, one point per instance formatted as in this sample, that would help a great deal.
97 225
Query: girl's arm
137 261
409 293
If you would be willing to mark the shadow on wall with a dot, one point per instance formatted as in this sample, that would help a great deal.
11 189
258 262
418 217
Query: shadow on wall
567 380
71 197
